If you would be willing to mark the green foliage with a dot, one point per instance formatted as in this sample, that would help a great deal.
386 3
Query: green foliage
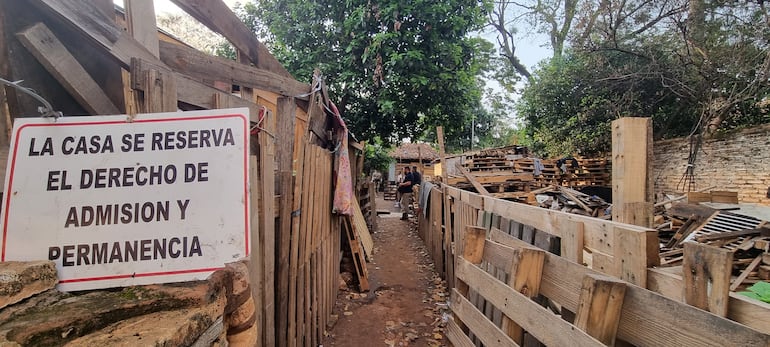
759 291
397 68
376 157
225 50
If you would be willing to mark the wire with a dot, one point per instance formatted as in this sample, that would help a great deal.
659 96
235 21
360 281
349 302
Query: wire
46 110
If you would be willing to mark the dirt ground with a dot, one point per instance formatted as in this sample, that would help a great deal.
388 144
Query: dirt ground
407 303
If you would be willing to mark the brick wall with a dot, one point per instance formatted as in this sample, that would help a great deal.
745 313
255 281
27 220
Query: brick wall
738 161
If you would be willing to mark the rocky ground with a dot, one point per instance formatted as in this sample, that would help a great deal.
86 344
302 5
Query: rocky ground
407 303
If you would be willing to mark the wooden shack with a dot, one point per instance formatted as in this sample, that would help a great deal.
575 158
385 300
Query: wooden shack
420 155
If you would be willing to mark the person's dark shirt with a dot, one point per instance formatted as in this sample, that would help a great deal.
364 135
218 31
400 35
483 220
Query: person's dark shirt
407 189
417 178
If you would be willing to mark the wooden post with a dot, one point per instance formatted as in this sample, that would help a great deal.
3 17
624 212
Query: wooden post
599 306
257 252
140 20
447 222
525 275
706 271
632 185
286 118
419 158
159 92
267 226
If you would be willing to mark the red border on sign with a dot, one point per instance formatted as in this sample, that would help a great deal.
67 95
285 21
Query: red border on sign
147 274
8 196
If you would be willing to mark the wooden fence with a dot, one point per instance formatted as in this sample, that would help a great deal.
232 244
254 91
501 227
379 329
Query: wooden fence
535 262
111 61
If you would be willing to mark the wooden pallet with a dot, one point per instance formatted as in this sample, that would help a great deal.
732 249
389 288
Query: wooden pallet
358 257
603 310
390 192
722 222
361 230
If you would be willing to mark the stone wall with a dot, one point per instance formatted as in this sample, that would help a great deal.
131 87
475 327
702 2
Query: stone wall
738 161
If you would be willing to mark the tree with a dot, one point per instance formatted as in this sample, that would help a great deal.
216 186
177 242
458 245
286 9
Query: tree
553 18
694 66
396 68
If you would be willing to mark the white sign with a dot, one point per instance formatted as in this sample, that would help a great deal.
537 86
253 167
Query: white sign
119 202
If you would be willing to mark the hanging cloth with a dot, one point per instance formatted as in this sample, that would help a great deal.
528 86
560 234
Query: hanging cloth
343 189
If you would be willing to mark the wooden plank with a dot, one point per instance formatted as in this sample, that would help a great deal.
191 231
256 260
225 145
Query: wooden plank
706 271
525 274
646 318
630 266
532 317
159 92
456 335
725 197
215 15
203 66
91 22
474 182
569 193
267 225
599 307
442 157
119 45
140 21
752 313
572 242
695 197
255 257
297 238
762 231
475 320
308 240
285 141
749 312
684 210
742 277
662 281
359 226
632 184
599 234
474 244
310 215
51 53
190 91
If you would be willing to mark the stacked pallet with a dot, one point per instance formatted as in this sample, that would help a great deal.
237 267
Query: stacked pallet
593 172
390 192
488 163
549 174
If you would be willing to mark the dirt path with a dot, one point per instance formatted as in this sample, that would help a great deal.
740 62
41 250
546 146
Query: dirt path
407 301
